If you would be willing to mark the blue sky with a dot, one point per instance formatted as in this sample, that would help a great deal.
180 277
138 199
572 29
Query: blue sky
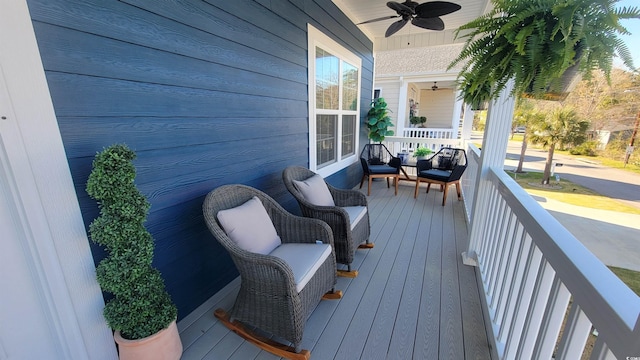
632 41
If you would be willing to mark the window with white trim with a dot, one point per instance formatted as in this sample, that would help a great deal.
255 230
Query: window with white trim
334 104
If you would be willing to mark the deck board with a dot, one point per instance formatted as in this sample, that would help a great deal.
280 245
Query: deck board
413 297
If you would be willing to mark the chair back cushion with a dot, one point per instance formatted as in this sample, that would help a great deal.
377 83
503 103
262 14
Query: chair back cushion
303 259
356 213
250 227
315 191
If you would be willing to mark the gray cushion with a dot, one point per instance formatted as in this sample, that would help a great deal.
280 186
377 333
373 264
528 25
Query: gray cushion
249 226
304 260
356 213
315 191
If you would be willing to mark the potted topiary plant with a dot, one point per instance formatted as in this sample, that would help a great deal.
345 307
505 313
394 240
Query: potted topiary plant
537 44
379 121
141 311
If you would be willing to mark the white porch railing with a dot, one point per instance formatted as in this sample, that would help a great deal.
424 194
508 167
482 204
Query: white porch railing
540 282
429 133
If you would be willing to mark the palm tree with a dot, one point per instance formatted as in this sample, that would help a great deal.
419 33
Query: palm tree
560 128
525 115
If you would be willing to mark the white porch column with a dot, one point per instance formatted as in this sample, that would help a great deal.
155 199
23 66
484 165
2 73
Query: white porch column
467 124
455 120
494 149
51 302
402 107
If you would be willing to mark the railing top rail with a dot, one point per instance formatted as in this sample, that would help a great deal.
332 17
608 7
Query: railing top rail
606 300
422 140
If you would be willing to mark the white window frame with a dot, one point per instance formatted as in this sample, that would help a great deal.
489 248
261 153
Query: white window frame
317 39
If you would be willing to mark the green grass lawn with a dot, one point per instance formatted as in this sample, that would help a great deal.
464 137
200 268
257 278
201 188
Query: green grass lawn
629 277
569 193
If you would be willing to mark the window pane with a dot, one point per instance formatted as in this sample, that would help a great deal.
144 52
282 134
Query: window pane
348 135
327 80
326 126
349 87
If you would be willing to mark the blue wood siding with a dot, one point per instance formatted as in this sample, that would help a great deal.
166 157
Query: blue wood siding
206 92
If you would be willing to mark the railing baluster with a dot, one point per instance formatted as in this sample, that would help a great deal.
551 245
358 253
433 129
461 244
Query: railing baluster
502 245
529 309
601 351
575 334
515 233
552 322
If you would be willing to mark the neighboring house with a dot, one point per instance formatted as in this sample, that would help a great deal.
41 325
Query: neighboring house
605 135
206 93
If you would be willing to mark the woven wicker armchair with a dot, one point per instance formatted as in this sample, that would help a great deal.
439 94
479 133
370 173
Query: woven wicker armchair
268 299
347 236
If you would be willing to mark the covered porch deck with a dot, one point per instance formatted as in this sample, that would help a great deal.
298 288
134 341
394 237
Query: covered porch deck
413 297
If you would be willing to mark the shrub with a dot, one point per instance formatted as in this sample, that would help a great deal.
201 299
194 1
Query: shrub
587 148
140 306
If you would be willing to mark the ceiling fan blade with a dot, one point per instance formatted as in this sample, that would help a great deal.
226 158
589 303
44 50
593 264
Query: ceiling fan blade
379 19
433 9
395 27
434 23
401 9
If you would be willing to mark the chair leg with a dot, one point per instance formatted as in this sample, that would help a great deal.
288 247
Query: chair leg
459 190
348 273
444 197
369 187
396 180
263 343
387 182
415 194
428 187
362 181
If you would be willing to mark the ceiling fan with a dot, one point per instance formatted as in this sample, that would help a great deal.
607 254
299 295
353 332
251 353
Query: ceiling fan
425 15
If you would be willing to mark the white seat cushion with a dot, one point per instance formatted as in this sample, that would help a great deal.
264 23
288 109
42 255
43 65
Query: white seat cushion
315 191
356 213
304 260
249 226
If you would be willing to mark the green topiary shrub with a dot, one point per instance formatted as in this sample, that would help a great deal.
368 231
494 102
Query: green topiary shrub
140 306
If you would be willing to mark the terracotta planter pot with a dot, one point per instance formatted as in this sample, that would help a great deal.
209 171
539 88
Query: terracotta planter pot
163 345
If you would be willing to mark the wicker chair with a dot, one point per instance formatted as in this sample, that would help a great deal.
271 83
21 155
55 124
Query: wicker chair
268 299
444 168
347 236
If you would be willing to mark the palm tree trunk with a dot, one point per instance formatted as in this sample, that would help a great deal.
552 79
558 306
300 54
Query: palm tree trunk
547 165
523 150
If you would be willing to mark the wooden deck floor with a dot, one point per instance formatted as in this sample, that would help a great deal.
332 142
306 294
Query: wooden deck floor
413 298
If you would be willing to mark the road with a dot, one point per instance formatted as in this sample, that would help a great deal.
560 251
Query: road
614 237
617 184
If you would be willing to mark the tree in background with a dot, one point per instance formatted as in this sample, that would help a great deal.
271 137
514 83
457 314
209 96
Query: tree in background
560 128
525 114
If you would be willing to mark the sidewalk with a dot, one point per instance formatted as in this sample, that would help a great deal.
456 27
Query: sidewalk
612 236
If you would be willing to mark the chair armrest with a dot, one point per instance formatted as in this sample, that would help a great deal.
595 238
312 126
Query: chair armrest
347 197
424 165
298 229
395 162
263 271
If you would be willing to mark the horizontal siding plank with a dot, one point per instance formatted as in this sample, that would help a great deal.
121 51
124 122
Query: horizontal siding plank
89 54
116 20
240 21
84 96
148 133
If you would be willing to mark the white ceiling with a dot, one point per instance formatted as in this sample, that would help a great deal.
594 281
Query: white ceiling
363 10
